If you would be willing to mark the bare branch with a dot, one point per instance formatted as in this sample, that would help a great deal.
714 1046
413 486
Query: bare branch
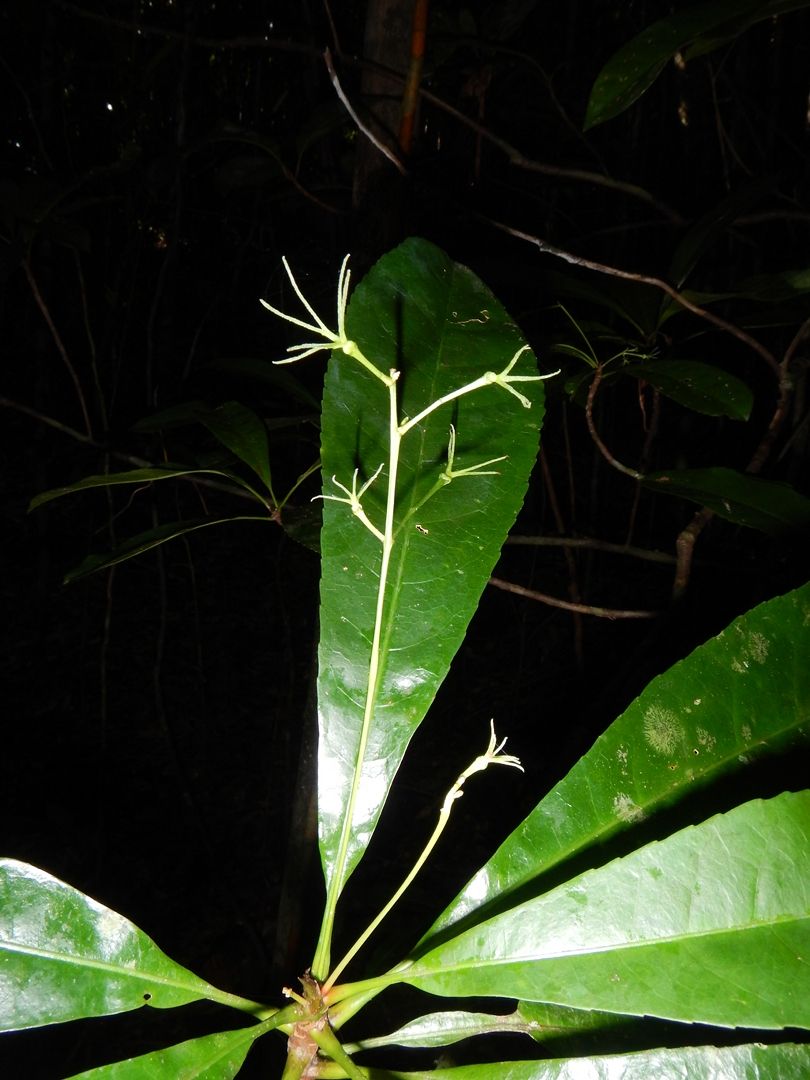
384 150
584 609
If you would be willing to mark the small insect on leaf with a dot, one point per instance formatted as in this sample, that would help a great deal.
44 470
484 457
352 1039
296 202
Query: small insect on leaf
423 530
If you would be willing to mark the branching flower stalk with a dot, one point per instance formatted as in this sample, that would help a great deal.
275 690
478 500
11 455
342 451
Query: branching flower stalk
328 340
491 756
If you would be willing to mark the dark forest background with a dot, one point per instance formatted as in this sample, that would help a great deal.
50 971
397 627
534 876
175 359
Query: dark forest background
158 160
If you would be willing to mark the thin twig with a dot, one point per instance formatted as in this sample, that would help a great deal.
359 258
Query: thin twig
563 172
763 451
685 547
384 150
584 609
591 543
571 563
43 307
332 28
603 450
645 279
650 431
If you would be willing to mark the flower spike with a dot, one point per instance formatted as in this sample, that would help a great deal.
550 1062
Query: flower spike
450 473
353 498
331 340
503 378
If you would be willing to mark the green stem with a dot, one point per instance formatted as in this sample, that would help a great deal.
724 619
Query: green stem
320 964
329 1043
444 817
491 756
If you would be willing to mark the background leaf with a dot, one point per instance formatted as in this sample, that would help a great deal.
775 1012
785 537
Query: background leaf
131 476
635 66
145 541
64 956
711 925
772 507
697 386
436 322
212 1057
742 694
244 434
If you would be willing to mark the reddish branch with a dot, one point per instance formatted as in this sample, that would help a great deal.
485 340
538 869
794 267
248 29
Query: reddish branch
410 96
584 609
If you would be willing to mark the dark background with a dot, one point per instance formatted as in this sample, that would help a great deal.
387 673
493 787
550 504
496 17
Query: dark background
158 159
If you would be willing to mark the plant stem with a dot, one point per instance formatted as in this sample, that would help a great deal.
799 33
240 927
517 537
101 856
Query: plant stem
320 964
492 756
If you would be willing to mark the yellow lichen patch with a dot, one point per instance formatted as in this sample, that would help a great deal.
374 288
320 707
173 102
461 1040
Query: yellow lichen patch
662 730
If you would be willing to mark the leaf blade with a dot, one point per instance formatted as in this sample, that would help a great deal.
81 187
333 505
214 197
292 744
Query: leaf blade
701 387
637 64
742 694
771 506
417 311
751 1061
64 956
211 1057
146 541
708 926
132 476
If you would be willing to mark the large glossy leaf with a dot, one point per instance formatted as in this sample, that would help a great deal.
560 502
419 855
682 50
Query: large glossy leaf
212 1057
742 694
697 386
635 66
711 925
433 320
64 956
772 507
787 1061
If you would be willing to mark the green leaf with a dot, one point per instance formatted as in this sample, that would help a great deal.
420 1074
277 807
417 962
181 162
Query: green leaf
768 505
244 434
636 65
131 476
431 318
544 1021
773 288
700 236
212 1057
742 694
727 32
444 1029
711 925
697 386
64 956
145 541
754 1061
540 1021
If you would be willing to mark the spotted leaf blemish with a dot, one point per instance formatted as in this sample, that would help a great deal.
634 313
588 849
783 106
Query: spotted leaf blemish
625 809
662 730
705 739
754 649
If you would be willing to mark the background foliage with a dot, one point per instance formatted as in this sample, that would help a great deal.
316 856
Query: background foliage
160 158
